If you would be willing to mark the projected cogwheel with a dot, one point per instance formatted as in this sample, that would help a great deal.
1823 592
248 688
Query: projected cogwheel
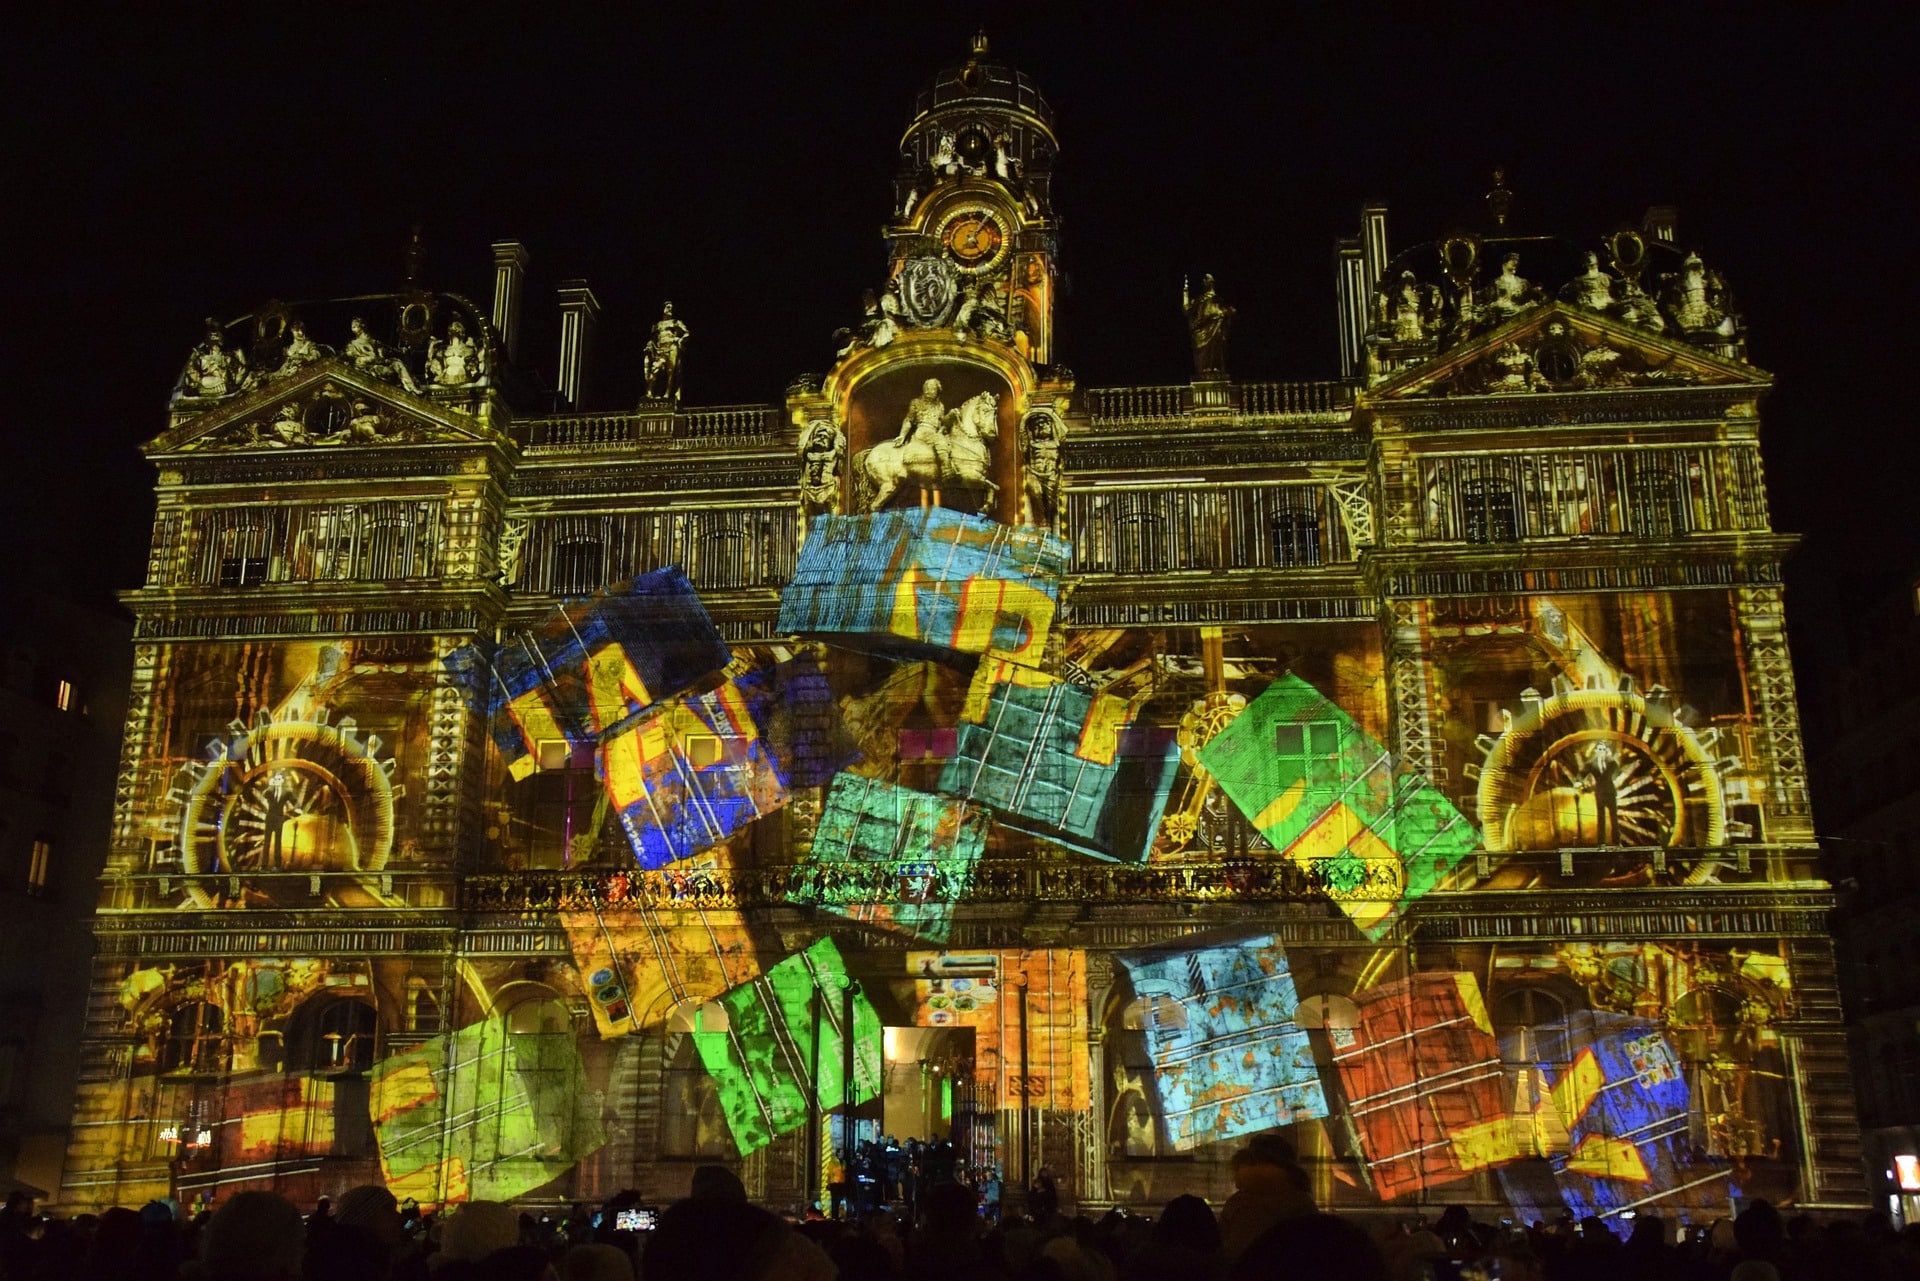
285 796
1599 766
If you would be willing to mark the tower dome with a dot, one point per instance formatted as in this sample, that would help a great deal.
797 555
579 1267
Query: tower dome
983 119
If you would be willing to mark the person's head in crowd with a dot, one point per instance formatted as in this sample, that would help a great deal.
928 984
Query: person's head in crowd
255 1236
1188 1222
1267 1160
517 1263
717 1182
478 1228
951 1209
371 1207
346 1252
1754 1270
1312 1245
861 1258
703 1239
596 1262
1758 1230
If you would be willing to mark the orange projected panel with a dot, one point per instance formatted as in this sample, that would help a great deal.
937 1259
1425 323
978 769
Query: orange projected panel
1028 1012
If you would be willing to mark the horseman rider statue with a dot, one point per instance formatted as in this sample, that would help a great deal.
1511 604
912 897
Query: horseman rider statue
926 413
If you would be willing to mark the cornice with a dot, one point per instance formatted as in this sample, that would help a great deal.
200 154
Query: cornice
308 609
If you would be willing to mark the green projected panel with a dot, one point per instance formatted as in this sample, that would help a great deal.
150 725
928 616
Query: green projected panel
483 1114
1313 782
764 1061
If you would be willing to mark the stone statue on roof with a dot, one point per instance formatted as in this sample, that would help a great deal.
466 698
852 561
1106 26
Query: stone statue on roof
212 370
456 360
1209 321
660 359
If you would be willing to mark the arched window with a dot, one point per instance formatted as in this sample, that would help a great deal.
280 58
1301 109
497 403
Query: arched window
1142 535
692 1123
193 1039
398 540
1520 1013
328 1035
720 555
536 1016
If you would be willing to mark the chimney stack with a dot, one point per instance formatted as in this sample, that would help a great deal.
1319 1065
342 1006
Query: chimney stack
579 311
509 281
1373 247
1349 278
1661 222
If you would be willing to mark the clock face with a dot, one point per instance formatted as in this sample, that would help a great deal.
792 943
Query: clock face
974 239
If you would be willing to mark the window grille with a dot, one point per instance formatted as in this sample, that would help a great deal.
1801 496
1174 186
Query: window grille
373 541
1216 527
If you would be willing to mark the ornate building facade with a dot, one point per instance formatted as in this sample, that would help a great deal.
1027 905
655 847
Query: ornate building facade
532 805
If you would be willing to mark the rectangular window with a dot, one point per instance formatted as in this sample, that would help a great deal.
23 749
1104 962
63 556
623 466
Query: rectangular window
1310 751
1296 538
39 864
243 571
63 695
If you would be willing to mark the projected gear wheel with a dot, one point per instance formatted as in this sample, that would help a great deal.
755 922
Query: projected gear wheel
285 796
1598 766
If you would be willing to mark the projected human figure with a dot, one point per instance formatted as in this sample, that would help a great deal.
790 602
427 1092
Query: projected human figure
277 809
1606 795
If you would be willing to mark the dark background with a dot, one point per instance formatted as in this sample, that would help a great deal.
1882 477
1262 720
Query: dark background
167 166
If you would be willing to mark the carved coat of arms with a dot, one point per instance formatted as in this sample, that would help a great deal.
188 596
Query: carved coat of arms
927 289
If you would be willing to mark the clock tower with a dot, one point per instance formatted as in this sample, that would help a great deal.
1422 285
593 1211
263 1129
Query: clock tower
974 196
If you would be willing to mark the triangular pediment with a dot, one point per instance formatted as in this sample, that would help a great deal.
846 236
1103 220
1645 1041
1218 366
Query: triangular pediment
326 406
1560 347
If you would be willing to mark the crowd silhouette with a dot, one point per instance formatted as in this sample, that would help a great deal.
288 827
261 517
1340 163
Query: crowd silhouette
1268 1230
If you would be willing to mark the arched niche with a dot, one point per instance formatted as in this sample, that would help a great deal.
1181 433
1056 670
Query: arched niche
328 1034
873 388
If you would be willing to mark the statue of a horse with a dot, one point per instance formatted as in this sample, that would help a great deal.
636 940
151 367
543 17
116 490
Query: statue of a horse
957 455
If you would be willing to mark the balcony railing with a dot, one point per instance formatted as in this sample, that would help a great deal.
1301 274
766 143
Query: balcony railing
719 424
1266 402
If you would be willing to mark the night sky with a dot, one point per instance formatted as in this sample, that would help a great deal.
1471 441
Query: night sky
171 166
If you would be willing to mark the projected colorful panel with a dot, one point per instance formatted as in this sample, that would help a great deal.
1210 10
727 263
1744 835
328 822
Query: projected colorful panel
590 665
765 1064
1306 775
1046 757
689 774
276 1117
640 960
483 1114
1005 995
1618 1093
1424 1084
1229 1057
799 721
926 577
893 857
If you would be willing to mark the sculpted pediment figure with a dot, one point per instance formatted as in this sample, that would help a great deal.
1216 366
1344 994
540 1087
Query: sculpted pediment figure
325 405
1560 347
